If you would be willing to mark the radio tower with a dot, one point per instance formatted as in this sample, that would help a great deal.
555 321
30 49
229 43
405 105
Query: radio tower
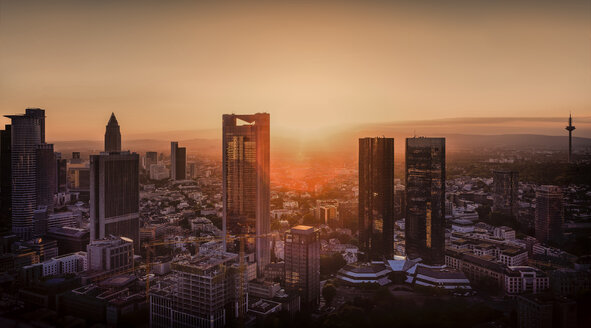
570 129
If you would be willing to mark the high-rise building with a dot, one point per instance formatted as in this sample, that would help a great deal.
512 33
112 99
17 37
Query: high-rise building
28 131
425 199
206 294
302 264
79 180
505 192
246 192
151 158
192 170
114 196
112 135
178 161
45 173
376 196
549 214
61 173
5 180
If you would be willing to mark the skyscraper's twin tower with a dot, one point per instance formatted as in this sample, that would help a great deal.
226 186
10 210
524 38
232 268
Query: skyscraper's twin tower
425 198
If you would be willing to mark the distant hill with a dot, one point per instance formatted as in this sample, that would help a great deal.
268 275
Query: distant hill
342 143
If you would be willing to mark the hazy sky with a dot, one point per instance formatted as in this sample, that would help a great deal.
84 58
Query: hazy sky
177 65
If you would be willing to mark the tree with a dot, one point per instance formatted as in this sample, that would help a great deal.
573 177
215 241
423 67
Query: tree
309 219
329 291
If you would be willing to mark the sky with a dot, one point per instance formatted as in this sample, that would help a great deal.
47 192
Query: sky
315 66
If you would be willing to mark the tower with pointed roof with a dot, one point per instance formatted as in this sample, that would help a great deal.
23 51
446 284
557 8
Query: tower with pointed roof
112 135
570 128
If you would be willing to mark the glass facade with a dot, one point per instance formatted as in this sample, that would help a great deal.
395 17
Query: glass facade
246 191
425 199
376 196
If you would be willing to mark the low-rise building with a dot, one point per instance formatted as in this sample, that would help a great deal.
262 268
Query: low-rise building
525 279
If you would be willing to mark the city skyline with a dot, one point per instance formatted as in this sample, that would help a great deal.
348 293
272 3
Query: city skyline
295 164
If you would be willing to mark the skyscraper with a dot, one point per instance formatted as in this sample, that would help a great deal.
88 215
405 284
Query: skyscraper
45 175
376 196
178 161
302 264
62 173
112 135
114 196
246 191
425 199
505 192
5 180
549 214
28 131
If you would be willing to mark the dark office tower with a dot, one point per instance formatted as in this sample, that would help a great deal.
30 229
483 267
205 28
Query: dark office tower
425 199
151 158
5 180
181 163
505 192
112 135
28 131
114 196
45 175
245 172
302 264
549 214
376 196
178 161
61 172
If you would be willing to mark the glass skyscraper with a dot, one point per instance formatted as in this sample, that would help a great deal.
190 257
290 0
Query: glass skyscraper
425 199
246 191
28 132
376 196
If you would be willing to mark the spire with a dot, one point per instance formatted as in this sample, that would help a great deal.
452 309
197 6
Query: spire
112 135
113 120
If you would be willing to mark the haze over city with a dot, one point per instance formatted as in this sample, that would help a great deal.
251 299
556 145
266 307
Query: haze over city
266 164
179 65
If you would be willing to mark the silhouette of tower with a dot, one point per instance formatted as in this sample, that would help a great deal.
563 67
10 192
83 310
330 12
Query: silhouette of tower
112 135
570 128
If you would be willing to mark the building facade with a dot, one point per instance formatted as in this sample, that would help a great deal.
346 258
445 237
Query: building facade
506 192
376 196
425 199
302 264
549 214
245 173
114 196
27 133
178 161
5 180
